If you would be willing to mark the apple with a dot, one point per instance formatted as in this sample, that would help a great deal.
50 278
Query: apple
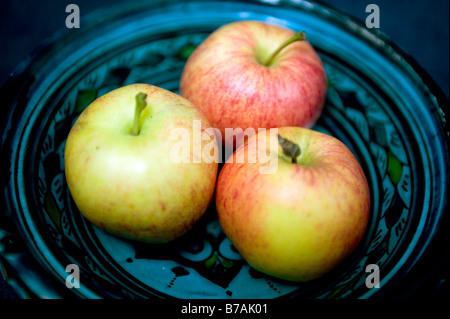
252 74
305 217
120 168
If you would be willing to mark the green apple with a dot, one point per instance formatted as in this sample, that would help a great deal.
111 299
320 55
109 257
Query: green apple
248 75
120 168
305 217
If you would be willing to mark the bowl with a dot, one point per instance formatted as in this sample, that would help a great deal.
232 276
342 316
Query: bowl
380 103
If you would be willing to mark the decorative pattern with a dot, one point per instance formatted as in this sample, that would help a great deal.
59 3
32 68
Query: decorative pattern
207 265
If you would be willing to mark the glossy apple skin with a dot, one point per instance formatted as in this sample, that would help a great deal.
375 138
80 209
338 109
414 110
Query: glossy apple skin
129 185
302 221
225 79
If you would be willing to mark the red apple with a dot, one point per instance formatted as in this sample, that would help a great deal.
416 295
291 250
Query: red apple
305 217
251 74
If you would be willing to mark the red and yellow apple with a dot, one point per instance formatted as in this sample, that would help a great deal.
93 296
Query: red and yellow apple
120 166
305 217
252 74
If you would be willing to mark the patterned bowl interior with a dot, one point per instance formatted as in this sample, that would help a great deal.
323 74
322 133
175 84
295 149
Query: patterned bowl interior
377 105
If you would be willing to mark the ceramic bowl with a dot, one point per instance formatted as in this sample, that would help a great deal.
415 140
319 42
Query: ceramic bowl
379 103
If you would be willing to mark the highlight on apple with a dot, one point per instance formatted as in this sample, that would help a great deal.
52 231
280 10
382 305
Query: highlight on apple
262 152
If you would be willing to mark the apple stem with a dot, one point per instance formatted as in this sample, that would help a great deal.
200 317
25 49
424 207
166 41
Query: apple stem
299 36
289 148
141 103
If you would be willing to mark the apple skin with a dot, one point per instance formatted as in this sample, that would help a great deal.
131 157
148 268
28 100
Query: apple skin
300 222
225 78
129 185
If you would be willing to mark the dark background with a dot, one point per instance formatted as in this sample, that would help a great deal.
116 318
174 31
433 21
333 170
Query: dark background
420 27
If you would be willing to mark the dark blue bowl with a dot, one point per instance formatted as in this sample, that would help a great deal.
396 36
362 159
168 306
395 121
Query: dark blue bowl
380 104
